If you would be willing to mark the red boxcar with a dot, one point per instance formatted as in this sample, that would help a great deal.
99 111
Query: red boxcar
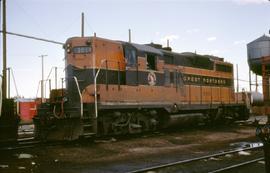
28 109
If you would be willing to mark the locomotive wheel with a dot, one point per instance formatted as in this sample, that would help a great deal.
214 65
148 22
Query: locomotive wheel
143 121
126 122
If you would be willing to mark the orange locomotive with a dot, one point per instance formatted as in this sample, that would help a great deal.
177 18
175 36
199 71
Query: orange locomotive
115 87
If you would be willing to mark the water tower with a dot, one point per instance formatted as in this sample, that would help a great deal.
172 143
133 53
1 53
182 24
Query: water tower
259 62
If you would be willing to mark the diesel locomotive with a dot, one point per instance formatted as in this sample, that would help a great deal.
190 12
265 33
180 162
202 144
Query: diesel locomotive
116 87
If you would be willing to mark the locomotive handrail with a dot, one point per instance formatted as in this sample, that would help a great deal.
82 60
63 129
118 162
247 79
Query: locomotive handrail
80 94
95 86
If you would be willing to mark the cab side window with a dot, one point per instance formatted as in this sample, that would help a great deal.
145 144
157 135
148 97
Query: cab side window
151 62
224 68
131 57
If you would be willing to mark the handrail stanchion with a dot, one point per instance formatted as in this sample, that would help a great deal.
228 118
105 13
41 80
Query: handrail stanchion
137 73
62 85
80 94
50 87
95 89
118 76
106 75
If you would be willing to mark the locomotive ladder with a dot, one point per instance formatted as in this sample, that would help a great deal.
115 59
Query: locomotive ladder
87 121
88 128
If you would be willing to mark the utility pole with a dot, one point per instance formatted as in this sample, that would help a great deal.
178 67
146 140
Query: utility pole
8 86
4 85
55 73
42 77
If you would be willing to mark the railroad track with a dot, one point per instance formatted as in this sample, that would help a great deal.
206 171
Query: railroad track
29 143
26 139
229 168
211 163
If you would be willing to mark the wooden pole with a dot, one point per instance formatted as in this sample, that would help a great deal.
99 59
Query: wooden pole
55 73
8 86
4 85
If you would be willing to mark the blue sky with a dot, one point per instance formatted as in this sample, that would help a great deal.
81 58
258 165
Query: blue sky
216 27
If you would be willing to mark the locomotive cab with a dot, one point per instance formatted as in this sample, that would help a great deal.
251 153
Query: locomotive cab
141 60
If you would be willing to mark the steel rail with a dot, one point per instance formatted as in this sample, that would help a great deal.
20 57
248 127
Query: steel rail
21 145
237 165
30 142
192 160
34 143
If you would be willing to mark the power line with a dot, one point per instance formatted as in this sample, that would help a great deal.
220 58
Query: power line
31 16
34 38
68 26
38 88
88 24
14 81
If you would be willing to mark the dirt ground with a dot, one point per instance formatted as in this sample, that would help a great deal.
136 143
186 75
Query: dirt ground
128 153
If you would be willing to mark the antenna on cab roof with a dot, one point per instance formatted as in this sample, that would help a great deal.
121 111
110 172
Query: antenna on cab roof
82 34
129 35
